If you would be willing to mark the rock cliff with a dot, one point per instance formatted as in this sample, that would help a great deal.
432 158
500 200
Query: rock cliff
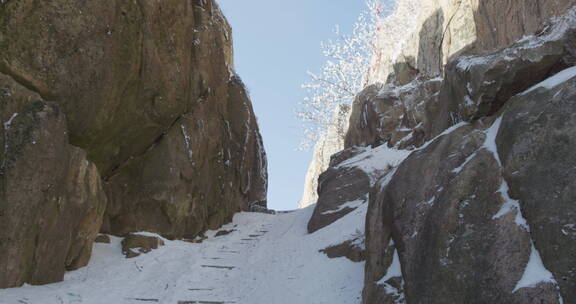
122 116
331 143
467 138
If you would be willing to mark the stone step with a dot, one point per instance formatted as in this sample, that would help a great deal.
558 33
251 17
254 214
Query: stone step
219 267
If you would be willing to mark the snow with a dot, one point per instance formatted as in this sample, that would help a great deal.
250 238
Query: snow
8 123
465 63
509 203
187 141
275 261
535 272
394 270
468 159
490 141
554 81
374 160
351 205
445 132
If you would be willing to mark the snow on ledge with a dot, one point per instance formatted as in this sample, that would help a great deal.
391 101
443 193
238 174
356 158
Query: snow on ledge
350 205
535 272
554 81
394 270
374 160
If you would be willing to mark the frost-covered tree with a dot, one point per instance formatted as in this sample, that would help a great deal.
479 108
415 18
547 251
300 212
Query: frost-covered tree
343 75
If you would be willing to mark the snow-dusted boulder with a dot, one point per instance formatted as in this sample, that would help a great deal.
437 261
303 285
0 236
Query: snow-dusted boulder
537 140
475 86
399 116
484 213
346 184
459 236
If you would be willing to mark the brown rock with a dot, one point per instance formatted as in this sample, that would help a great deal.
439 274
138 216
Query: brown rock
51 198
149 93
224 232
398 116
197 176
501 23
102 238
475 87
351 249
338 188
135 244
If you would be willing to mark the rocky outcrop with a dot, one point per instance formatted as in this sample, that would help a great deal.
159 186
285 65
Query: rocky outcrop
408 115
474 211
351 249
51 196
535 142
200 173
331 143
400 116
142 125
351 183
346 184
484 202
134 244
448 29
479 211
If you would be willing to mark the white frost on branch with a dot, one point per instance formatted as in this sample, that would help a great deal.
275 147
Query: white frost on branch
348 60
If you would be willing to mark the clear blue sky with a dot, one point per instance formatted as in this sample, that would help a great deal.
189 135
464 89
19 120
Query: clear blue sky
275 43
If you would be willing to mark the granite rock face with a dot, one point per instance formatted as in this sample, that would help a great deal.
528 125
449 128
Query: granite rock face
118 117
400 116
485 197
451 28
341 190
51 196
331 143
536 143
481 100
459 236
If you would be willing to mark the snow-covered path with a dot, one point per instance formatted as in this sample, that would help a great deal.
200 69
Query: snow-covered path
268 259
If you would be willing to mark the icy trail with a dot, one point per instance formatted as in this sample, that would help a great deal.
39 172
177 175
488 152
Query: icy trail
269 259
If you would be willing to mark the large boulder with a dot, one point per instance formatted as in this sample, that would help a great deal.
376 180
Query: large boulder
144 103
123 72
440 213
347 182
341 190
474 86
399 116
134 244
51 196
536 141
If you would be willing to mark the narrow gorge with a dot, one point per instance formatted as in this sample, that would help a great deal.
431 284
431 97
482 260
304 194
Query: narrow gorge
134 171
